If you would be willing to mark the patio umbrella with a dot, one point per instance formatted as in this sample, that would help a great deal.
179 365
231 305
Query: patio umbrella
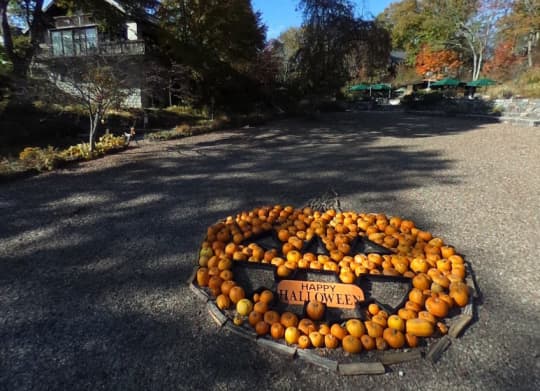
380 87
481 83
359 87
447 81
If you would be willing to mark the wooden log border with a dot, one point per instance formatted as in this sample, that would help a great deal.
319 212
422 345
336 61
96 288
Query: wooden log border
374 367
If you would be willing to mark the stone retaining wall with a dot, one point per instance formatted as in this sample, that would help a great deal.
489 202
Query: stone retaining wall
523 108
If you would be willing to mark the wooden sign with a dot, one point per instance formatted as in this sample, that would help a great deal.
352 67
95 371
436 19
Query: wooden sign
332 294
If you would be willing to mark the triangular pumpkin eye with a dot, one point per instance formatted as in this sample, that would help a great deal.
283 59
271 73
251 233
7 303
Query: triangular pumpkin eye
361 245
267 240
315 246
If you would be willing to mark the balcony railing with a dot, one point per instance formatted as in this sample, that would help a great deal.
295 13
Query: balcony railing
116 48
73 21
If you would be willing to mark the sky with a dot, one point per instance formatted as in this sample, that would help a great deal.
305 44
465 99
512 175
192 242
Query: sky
279 15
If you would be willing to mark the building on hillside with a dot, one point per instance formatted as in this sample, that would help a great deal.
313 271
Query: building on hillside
73 38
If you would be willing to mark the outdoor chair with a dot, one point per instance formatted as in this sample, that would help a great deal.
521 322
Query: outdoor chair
131 136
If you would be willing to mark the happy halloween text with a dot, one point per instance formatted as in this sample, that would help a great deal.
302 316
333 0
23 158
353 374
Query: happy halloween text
332 294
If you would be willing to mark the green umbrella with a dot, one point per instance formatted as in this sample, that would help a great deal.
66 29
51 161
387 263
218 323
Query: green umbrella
359 87
447 81
481 83
380 87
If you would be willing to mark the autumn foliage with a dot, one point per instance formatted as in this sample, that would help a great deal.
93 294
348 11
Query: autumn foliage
503 62
439 62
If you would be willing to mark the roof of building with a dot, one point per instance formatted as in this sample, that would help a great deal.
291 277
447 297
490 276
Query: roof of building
113 3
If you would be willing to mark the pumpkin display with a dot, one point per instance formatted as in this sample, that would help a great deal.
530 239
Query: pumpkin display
312 241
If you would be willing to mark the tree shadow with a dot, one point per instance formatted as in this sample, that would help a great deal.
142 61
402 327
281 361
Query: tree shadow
95 257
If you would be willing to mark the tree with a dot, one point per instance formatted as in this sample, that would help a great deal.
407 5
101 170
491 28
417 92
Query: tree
503 62
219 39
177 80
478 31
229 29
369 56
523 24
415 23
465 26
286 48
328 36
438 63
97 83
404 19
266 69
28 14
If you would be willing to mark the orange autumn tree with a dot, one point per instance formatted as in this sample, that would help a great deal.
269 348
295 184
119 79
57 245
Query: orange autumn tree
504 61
437 62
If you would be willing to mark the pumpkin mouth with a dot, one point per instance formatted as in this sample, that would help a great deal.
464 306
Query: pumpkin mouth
361 266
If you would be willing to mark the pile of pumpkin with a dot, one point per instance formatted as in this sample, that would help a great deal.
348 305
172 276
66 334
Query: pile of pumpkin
436 271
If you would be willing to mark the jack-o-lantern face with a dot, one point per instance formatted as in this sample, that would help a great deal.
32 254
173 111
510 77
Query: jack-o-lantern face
347 263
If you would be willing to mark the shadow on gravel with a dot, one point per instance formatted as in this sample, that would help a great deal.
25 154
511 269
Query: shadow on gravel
92 291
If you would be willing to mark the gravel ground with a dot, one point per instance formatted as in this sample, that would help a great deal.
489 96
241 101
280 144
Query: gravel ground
94 258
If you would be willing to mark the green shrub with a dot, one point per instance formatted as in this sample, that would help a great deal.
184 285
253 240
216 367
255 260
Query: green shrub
179 131
187 110
423 100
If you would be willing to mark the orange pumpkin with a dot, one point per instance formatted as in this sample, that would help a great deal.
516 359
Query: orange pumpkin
288 319
380 320
412 340
394 338
381 343
421 281
427 316
368 343
416 296
419 327
304 342
202 276
337 331
351 344
330 341
237 293
272 317
317 339
447 251
437 307
262 328
447 298
315 310
226 286
411 305
406 314
254 317
306 326
277 331
374 330
443 328
459 291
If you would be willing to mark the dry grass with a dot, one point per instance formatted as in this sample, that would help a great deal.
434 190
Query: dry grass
526 85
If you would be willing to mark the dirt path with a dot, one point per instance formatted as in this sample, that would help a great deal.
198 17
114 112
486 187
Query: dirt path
94 258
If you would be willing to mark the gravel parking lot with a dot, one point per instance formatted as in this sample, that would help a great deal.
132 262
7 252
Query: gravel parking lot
94 258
